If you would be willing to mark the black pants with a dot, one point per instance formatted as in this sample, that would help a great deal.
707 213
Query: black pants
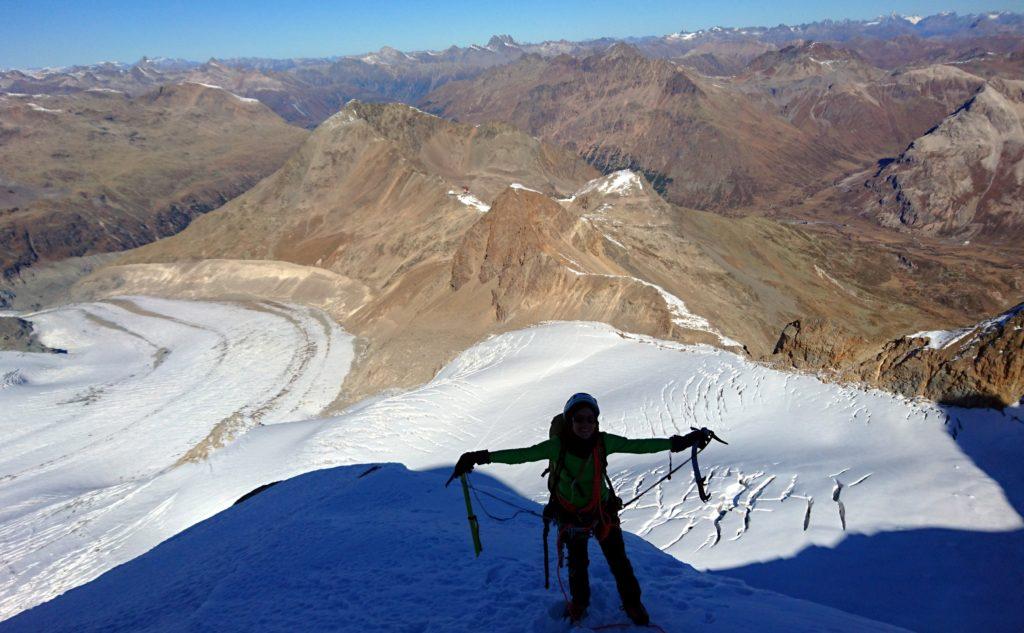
614 552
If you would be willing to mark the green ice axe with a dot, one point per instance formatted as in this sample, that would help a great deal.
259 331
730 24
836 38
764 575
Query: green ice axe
474 526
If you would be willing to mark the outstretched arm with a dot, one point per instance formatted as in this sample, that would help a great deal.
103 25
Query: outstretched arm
548 449
533 453
676 443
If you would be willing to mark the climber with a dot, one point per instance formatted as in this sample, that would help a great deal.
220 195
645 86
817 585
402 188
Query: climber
583 501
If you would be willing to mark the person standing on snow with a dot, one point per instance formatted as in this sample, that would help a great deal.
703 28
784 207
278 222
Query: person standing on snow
582 501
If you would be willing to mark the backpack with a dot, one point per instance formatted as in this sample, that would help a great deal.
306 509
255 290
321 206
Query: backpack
559 427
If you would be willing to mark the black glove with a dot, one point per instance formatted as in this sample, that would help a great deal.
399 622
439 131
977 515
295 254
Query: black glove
467 461
682 442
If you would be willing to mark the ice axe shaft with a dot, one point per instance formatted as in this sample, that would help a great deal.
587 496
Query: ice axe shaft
474 526
697 476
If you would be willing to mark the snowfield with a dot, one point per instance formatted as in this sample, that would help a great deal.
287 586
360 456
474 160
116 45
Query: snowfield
147 386
895 510
380 548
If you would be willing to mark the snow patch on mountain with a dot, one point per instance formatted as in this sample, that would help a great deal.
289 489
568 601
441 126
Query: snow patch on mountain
39 108
621 182
470 200
522 187
941 339
214 87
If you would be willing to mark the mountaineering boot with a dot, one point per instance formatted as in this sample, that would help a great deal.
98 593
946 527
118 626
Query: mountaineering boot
575 611
637 613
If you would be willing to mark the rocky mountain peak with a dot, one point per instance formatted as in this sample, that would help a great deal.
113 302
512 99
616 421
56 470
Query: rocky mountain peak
498 41
395 121
810 54
522 227
391 54
621 50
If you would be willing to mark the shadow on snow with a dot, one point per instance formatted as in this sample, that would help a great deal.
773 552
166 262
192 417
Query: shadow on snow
925 579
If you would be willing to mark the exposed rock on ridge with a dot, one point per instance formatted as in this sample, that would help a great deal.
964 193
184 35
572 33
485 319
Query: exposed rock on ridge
372 216
17 335
980 366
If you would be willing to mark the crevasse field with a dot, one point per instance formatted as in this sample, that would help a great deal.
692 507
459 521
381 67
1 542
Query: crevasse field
163 413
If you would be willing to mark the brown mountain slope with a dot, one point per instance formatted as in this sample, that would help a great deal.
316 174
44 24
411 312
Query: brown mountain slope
702 144
419 269
375 191
965 177
844 103
98 171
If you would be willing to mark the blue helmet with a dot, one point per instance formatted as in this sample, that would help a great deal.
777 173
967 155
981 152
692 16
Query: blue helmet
579 399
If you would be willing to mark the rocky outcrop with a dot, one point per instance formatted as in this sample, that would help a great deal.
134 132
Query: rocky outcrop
979 366
16 335
813 344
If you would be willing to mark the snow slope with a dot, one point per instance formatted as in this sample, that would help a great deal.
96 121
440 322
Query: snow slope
370 548
805 458
146 383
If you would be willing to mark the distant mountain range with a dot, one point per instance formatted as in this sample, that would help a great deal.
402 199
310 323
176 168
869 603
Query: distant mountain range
706 186
307 91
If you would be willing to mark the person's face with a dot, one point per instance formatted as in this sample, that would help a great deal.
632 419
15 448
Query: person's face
584 422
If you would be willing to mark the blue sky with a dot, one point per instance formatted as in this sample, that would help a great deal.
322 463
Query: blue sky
54 33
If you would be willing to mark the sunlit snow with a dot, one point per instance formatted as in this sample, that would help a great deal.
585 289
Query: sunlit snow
92 476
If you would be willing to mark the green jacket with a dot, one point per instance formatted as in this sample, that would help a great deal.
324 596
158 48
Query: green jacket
576 480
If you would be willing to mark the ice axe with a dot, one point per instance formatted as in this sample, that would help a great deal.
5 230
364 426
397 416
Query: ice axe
708 436
474 526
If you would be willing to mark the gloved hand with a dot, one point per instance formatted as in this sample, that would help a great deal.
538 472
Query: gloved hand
701 438
468 460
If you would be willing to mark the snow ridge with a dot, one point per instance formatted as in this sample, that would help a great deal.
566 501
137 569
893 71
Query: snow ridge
798 447
323 552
